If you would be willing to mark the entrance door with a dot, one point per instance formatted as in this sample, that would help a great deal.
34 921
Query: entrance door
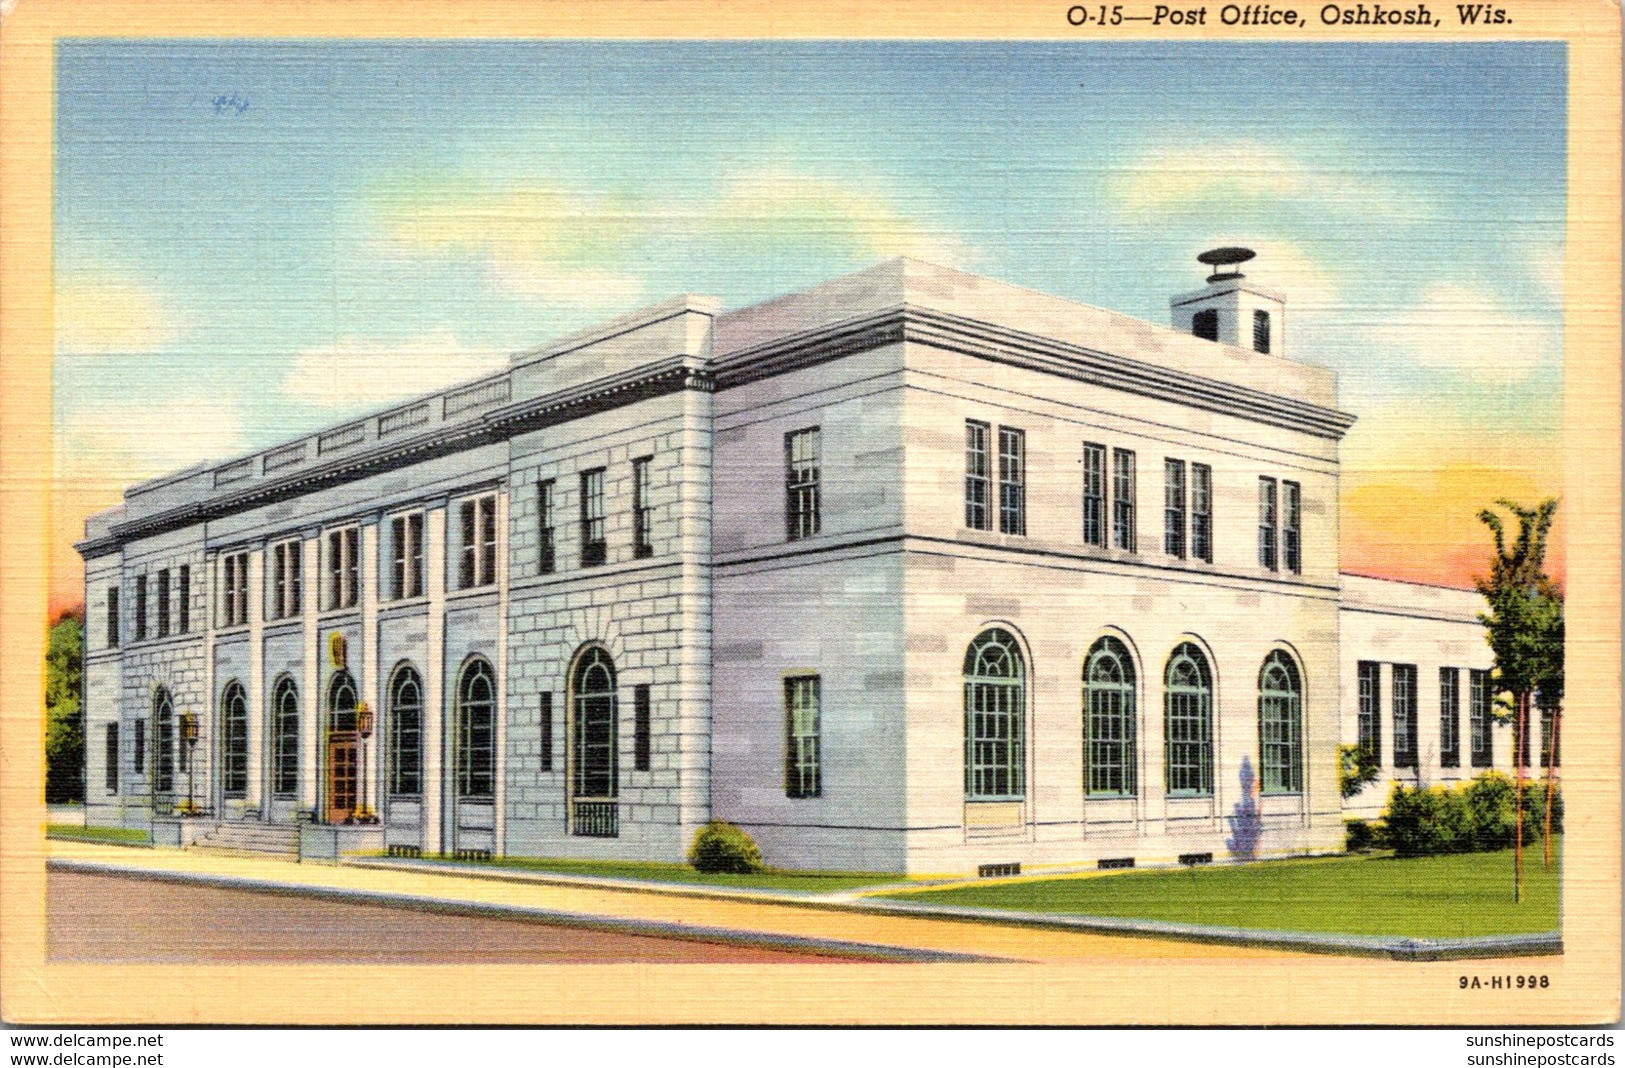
343 782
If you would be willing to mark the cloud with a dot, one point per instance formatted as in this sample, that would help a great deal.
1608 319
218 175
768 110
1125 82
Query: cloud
584 287
102 315
1463 330
1199 177
119 441
359 372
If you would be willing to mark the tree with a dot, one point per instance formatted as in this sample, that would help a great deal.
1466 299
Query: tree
1357 765
64 702
1525 631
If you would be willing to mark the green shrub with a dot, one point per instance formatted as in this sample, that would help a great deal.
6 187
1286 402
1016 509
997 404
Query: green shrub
723 847
1359 836
1489 804
1475 816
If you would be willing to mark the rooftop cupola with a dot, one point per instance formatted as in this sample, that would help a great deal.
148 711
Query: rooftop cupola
1230 308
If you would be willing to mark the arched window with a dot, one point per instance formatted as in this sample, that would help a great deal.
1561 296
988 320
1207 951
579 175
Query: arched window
163 730
476 732
995 707
341 701
285 738
405 733
234 741
1188 722
1109 720
1280 726
593 739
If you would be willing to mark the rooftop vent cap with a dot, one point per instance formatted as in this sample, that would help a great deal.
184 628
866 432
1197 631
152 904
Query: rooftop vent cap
1219 258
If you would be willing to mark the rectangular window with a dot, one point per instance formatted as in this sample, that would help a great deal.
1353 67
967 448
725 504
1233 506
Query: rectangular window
642 510
546 560
138 748
978 476
1550 746
111 753
141 608
1202 513
1404 697
478 561
287 580
1449 718
183 602
546 725
163 603
343 560
112 617
1261 332
488 540
1123 536
406 556
1478 719
803 776
233 589
1371 709
801 503
1094 494
1291 527
1012 481
1173 508
593 551
1266 524
642 728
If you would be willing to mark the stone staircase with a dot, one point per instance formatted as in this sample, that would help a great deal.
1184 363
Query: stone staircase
251 838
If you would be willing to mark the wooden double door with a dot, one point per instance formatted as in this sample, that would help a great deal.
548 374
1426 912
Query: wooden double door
343 775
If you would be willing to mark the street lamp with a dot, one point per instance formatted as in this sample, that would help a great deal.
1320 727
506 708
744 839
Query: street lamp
189 732
363 727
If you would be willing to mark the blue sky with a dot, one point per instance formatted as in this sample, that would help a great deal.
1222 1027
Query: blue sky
255 238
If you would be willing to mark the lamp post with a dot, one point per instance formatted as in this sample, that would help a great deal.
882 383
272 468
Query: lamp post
363 728
189 731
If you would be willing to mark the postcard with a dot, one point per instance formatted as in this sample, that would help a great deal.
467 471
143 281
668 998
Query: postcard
1062 514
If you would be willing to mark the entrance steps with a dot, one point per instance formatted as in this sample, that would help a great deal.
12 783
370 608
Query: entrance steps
251 838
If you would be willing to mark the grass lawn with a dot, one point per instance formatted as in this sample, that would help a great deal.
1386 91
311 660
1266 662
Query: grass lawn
1424 897
115 835
813 881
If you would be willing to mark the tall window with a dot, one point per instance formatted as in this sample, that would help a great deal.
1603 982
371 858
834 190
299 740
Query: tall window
803 774
287 580
642 728
995 706
110 755
1261 331
978 476
112 617
234 589
1012 481
341 702
234 741
1370 674
546 523
593 546
642 510
285 738
1173 508
1550 750
1404 698
406 556
801 504
1109 720
1205 324
138 748
1292 527
1478 719
546 727
405 773
141 608
1449 718
343 563
183 600
163 741
476 733
1266 524
1094 494
1202 512
163 603
592 742
477 565
1188 722
1280 726
1123 499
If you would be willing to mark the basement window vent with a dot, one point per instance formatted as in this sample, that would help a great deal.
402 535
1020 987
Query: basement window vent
997 871
472 854
1108 863
404 851
1190 860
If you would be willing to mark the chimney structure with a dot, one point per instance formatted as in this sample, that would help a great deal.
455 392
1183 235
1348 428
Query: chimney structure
1230 308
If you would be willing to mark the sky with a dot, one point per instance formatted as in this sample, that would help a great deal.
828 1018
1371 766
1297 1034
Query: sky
254 239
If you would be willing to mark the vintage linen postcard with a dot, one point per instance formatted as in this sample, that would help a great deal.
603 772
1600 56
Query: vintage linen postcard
742 513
